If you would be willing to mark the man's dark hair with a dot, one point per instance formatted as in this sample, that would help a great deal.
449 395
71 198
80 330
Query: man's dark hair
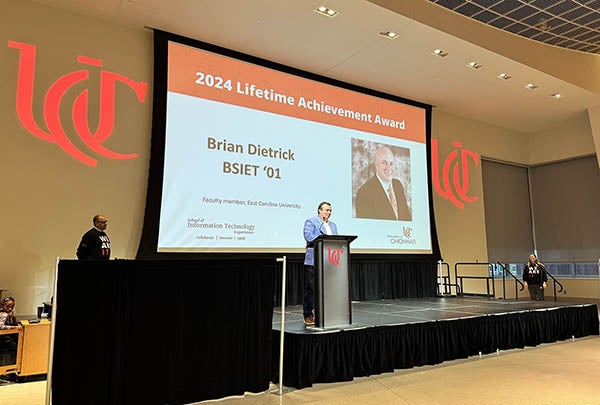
322 204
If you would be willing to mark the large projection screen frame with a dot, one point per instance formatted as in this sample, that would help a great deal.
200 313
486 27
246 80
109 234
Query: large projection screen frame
360 158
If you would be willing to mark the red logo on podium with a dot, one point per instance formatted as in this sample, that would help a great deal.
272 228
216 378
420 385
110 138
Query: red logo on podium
334 256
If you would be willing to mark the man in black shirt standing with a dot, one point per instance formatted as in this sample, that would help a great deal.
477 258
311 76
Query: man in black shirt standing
95 244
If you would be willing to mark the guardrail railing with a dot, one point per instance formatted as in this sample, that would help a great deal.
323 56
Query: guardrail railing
488 279
518 282
445 283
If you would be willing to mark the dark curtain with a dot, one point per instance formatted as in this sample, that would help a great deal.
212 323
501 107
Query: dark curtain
158 332
565 199
370 280
341 356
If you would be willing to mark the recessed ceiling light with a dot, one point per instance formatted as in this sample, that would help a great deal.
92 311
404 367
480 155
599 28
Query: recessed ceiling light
504 76
531 86
389 34
474 65
556 95
440 53
326 11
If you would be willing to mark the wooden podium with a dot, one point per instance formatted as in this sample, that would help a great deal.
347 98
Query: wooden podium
32 348
9 353
333 305
35 349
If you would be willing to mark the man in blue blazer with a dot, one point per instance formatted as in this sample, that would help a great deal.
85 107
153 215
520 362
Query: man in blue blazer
313 227
382 196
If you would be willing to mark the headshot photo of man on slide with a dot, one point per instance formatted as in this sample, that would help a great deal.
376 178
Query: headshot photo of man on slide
383 195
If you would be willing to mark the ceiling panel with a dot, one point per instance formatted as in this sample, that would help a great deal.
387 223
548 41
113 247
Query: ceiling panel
567 23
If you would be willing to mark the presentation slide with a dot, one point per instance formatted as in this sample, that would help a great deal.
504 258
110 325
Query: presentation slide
250 152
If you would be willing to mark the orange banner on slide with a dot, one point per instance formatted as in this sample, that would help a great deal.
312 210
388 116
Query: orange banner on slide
207 75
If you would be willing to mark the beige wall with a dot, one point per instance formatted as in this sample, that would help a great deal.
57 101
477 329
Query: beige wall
594 118
573 138
490 141
461 232
49 197
572 288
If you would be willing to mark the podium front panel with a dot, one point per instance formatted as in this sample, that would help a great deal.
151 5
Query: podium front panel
335 294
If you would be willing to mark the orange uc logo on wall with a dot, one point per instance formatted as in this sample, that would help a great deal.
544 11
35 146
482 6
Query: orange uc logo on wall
55 132
452 182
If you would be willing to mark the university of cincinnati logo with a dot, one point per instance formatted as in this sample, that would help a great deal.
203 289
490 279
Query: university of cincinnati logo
455 174
404 239
55 132
334 256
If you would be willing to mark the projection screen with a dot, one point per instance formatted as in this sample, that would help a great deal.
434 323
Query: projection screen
251 149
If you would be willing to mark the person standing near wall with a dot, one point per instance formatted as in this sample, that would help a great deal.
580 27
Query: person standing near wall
95 244
534 278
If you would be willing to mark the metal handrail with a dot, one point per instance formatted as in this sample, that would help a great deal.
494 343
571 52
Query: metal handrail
554 282
459 279
517 281
486 278
446 280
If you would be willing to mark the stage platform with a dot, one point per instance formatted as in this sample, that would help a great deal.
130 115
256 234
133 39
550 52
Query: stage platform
392 334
